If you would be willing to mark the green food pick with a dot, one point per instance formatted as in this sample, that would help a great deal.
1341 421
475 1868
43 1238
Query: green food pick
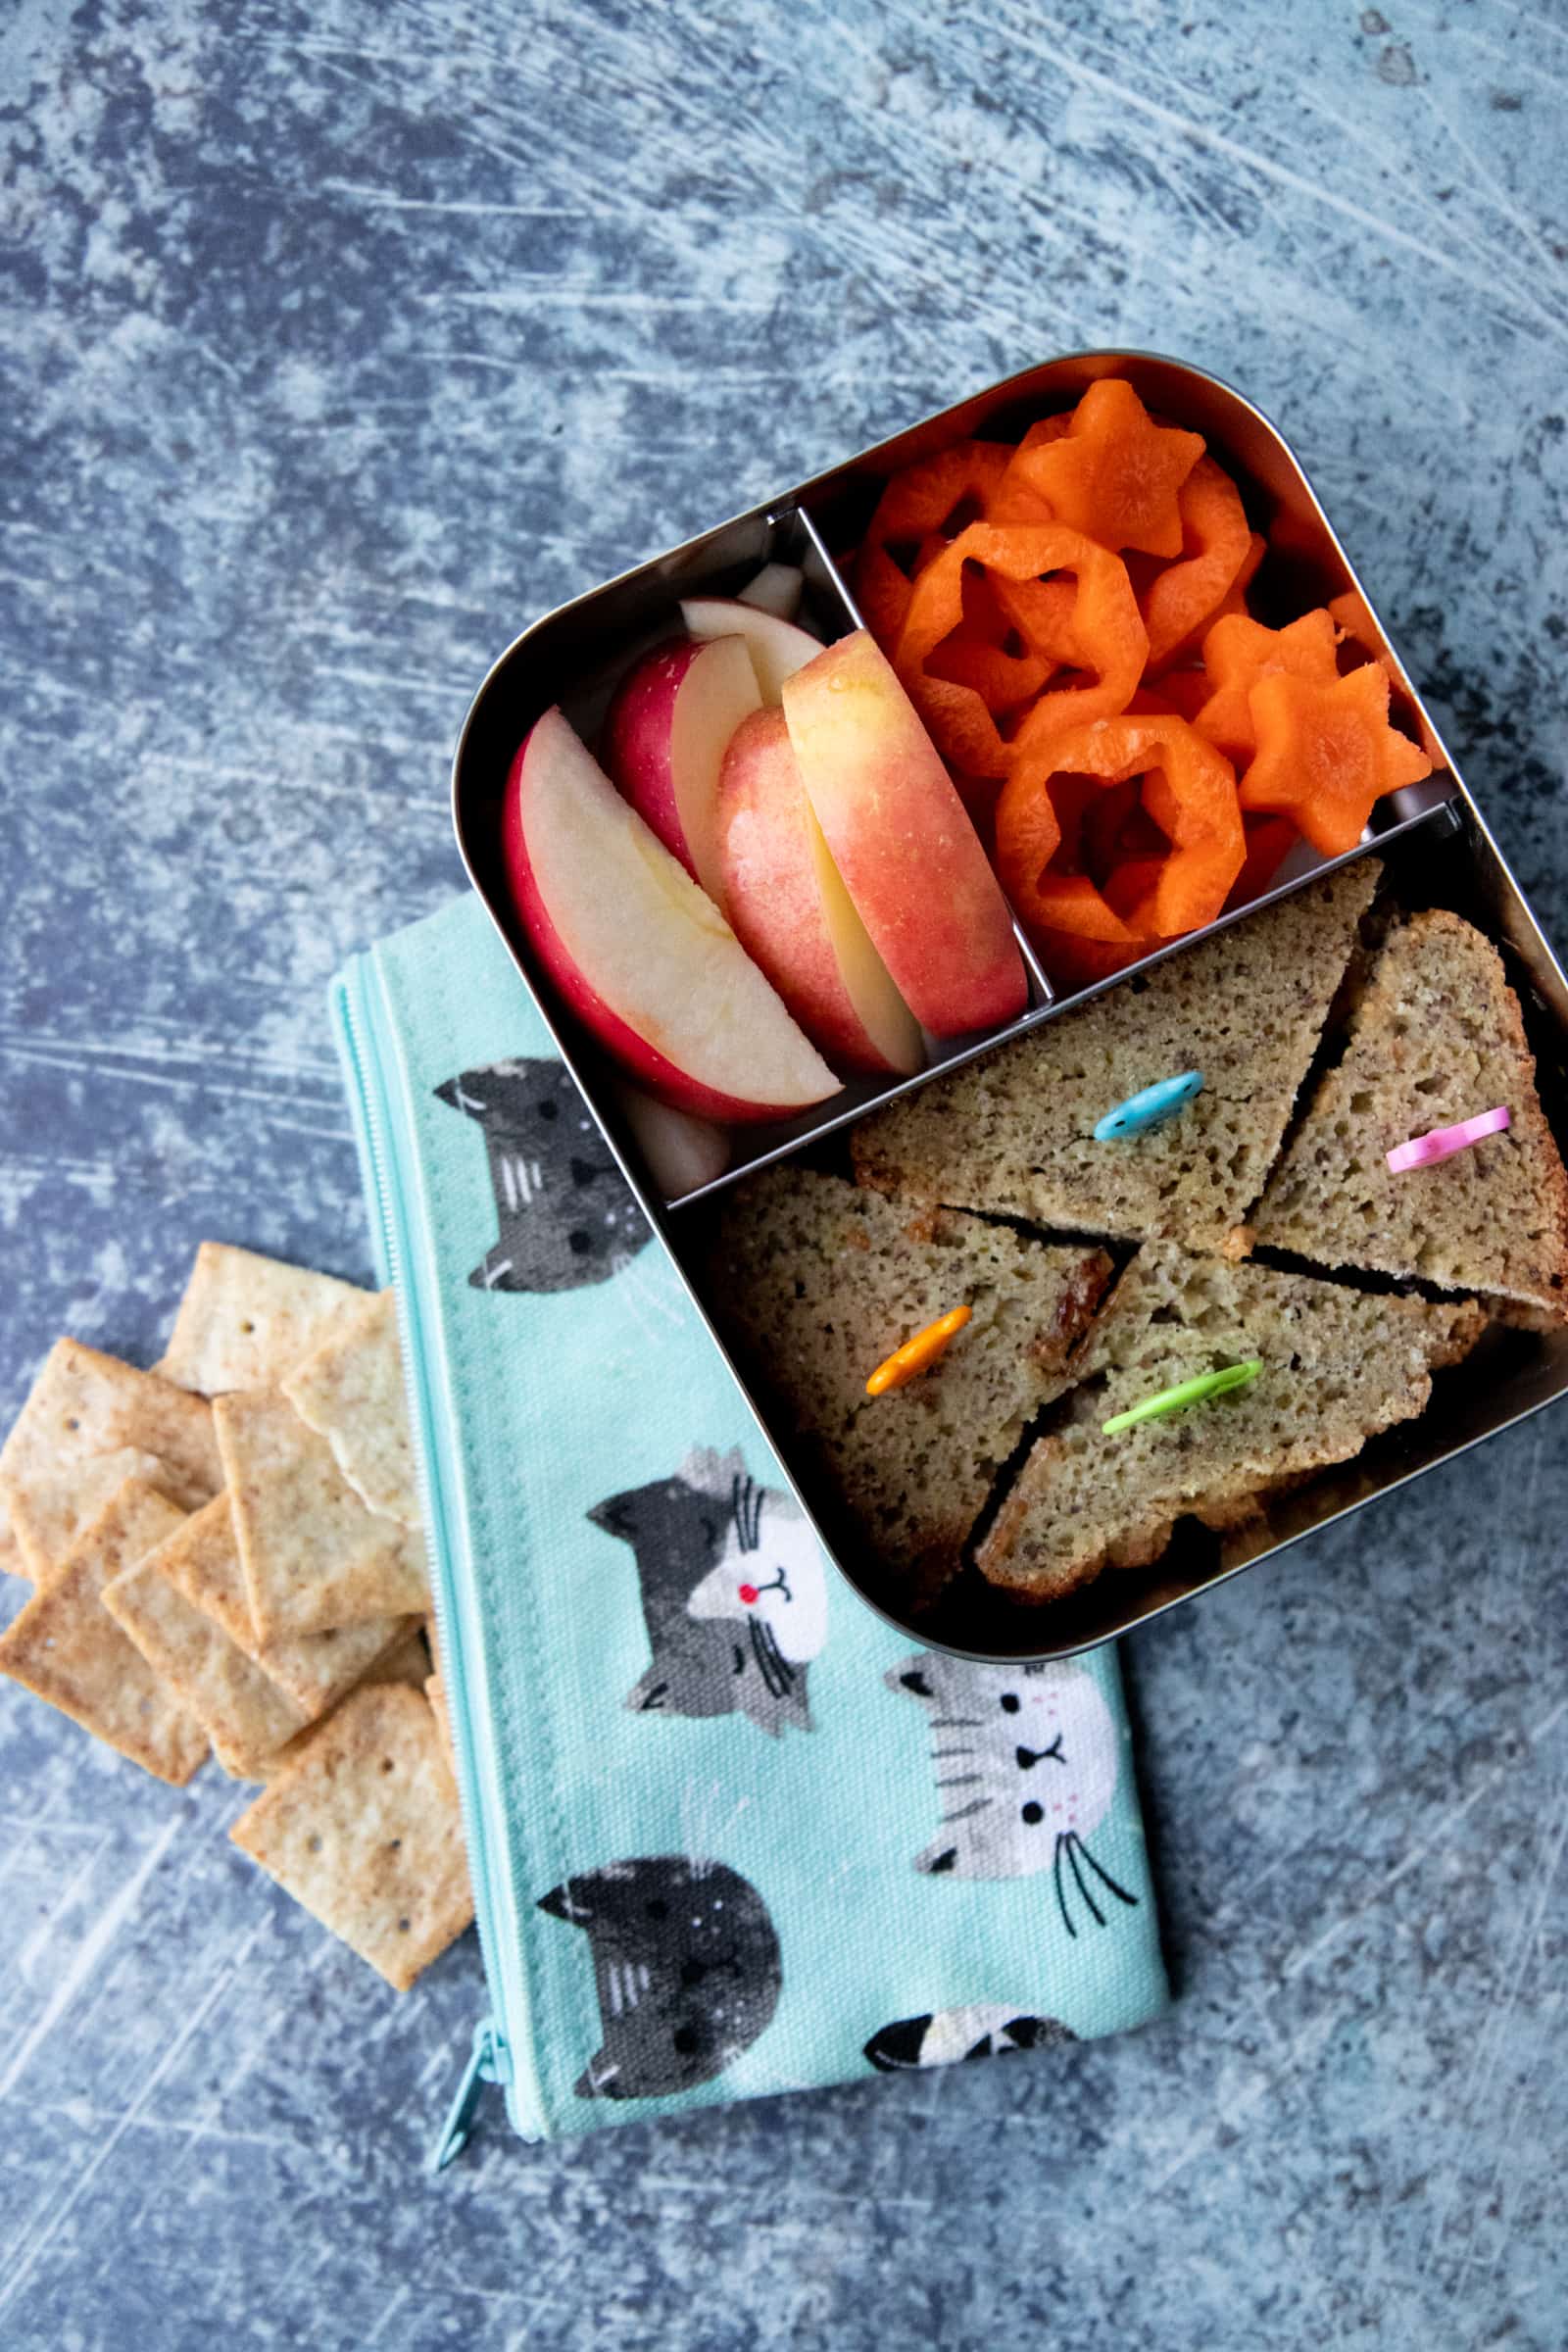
1188 1391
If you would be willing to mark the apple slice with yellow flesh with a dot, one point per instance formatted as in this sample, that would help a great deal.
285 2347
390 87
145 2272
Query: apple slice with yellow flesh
900 836
793 916
680 1152
777 648
777 589
638 951
666 736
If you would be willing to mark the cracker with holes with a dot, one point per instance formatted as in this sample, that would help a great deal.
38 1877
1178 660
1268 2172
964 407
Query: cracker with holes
245 1320
361 1827
88 1423
313 1670
350 1393
244 1713
67 1648
313 1555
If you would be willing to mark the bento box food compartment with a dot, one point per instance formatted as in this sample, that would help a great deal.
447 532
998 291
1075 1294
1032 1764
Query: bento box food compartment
1428 836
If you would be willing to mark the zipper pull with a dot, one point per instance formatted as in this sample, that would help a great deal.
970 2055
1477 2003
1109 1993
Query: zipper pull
488 2062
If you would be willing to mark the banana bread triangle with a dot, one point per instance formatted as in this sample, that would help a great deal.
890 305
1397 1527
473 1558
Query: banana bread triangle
1339 1365
1013 1133
815 1280
1436 1038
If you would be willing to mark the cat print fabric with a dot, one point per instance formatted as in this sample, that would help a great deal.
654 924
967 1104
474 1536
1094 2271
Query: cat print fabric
686 1967
1025 1758
566 1215
983 2030
734 1592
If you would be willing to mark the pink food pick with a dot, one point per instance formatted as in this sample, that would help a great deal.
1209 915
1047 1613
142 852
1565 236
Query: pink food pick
1425 1151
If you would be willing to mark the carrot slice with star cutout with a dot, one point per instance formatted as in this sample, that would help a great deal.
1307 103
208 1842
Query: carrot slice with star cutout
1327 754
1114 476
1187 790
1099 634
1182 599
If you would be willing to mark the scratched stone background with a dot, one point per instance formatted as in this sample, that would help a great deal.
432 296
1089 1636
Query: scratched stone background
338 340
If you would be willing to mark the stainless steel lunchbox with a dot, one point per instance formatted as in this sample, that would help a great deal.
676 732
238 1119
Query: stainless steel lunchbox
1430 838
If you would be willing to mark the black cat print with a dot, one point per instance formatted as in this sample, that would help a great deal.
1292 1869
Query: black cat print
1026 1760
566 1215
734 1592
686 1967
983 2030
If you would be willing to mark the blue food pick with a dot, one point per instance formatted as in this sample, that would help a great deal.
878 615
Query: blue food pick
1151 1107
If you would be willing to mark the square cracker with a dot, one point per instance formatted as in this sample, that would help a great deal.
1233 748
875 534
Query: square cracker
94 1482
361 1827
67 1648
350 1393
313 1555
243 1711
313 1670
83 1404
244 1320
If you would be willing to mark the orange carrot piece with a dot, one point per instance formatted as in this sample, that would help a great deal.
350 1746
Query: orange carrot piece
1114 476
1327 754
914 506
1016 500
1268 839
1101 633
1237 653
1188 788
1182 599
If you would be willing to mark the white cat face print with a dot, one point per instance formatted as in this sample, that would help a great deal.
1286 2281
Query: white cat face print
1026 1759
734 1592
772 1571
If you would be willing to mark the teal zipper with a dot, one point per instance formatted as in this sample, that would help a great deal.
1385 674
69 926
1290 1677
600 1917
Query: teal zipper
503 2044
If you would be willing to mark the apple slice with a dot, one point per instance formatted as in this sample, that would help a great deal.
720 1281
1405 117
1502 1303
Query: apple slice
777 589
777 647
638 951
793 916
665 737
681 1152
900 836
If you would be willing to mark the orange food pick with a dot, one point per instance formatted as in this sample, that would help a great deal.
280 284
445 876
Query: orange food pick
1114 476
1327 754
906 1363
1098 633
1187 789
1182 599
1237 653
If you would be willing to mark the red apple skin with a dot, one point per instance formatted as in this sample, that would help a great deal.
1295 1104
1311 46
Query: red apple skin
638 729
774 900
641 1061
900 836
666 734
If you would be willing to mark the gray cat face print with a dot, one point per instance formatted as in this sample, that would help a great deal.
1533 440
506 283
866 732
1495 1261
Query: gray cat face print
566 1215
733 1589
1026 1761
686 1967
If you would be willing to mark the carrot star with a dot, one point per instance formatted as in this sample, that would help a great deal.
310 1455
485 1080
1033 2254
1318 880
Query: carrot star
1115 475
1237 652
1327 753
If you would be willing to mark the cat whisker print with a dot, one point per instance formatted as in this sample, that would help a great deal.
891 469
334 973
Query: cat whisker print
566 1214
1025 1762
1080 1862
734 1592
